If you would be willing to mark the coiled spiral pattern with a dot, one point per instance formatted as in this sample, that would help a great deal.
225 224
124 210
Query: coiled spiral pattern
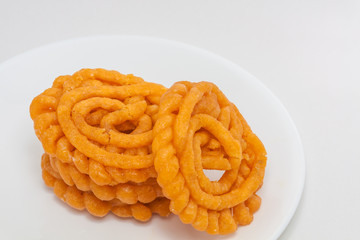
195 123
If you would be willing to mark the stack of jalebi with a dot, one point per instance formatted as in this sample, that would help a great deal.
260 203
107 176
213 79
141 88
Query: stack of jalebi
96 129
116 143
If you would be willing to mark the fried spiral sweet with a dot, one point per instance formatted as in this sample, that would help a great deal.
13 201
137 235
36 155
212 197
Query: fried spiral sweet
81 200
129 193
101 121
199 128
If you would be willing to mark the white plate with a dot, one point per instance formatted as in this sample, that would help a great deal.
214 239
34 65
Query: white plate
29 210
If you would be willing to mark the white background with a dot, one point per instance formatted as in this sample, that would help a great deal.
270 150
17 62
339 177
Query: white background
306 52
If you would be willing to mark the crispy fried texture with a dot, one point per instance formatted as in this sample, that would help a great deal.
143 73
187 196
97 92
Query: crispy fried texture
129 193
100 121
81 200
198 128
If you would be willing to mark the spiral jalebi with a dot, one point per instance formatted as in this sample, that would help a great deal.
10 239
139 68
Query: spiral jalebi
195 123
81 200
101 121
96 129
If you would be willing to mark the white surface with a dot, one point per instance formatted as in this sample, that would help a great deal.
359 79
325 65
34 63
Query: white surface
159 61
306 52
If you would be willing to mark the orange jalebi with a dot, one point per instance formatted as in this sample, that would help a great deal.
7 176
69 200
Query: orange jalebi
198 126
129 193
101 121
81 200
